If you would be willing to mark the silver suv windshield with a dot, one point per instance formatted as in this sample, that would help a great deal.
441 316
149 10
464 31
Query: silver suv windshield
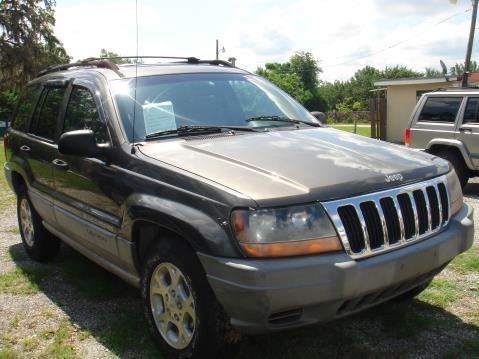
169 102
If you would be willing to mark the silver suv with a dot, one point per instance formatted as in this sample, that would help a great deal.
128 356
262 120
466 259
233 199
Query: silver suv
446 123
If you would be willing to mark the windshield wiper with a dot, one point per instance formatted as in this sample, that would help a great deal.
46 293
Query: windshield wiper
197 129
282 119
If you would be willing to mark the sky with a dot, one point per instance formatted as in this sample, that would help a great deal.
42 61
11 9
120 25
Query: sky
343 35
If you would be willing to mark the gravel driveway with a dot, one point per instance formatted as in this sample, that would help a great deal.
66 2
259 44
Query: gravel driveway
73 308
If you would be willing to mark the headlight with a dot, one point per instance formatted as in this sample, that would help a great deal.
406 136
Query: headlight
284 231
455 191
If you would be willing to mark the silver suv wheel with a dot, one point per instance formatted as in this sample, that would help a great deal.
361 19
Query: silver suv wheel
26 222
172 305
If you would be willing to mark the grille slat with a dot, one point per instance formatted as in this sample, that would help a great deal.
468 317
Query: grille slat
392 220
373 224
377 222
352 226
434 207
444 201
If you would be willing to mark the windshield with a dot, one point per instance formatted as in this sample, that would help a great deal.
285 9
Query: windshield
167 102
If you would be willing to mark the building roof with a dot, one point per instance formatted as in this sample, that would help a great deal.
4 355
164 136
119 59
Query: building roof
415 81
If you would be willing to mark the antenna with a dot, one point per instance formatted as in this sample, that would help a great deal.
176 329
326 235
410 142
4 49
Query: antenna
136 80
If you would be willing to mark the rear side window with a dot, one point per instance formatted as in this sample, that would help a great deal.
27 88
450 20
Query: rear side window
471 113
82 113
25 108
440 109
47 118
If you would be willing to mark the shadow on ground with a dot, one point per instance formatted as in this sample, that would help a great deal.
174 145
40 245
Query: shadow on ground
110 310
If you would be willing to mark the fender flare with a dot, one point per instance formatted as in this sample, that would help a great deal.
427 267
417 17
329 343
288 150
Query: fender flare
453 143
203 233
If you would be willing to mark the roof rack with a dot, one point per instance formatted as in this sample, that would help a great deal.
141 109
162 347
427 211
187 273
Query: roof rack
101 63
106 63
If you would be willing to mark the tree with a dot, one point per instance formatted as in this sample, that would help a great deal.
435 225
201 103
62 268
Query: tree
298 77
304 65
458 69
432 72
106 53
27 42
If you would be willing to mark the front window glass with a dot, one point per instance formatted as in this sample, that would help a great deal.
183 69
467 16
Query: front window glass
82 114
440 109
472 111
167 102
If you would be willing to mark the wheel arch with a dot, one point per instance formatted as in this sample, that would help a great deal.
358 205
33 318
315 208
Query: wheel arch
438 145
150 218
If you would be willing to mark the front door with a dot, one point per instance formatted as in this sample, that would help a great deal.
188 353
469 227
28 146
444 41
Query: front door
86 209
468 131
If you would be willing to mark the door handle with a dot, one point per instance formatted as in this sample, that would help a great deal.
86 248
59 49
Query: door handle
465 130
25 148
60 164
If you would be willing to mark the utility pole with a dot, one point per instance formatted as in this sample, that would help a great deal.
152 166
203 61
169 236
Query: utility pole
467 63
217 50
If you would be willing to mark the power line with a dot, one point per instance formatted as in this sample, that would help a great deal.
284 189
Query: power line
399 42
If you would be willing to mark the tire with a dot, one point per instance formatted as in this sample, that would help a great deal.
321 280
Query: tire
39 244
458 163
412 293
203 325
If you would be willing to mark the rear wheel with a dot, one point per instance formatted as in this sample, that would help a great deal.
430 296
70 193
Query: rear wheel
183 315
458 163
39 244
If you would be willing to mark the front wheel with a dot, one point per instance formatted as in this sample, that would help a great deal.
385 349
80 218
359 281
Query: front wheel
459 166
182 313
39 244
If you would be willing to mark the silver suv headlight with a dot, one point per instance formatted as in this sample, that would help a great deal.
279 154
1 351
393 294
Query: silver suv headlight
279 232
455 191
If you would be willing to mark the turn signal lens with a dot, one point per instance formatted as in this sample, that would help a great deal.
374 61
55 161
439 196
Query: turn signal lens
293 248
407 136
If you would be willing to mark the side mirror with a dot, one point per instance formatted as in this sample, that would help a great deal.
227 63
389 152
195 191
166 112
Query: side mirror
320 116
82 143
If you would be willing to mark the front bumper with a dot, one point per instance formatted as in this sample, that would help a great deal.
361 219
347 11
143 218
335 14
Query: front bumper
272 294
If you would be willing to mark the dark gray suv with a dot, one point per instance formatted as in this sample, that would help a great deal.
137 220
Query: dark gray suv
224 200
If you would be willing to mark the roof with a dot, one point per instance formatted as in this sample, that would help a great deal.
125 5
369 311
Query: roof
415 81
130 70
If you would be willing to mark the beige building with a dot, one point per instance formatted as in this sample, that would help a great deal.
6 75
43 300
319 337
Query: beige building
401 96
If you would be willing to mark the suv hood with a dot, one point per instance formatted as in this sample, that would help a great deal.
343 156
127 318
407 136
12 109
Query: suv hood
296 166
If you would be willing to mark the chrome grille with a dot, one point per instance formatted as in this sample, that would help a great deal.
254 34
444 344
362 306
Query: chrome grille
381 221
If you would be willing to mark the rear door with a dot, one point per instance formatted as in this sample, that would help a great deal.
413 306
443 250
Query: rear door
468 129
436 119
86 209
39 150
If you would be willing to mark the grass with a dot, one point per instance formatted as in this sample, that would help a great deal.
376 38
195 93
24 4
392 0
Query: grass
7 198
128 331
61 346
441 292
23 280
364 131
466 262
92 281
